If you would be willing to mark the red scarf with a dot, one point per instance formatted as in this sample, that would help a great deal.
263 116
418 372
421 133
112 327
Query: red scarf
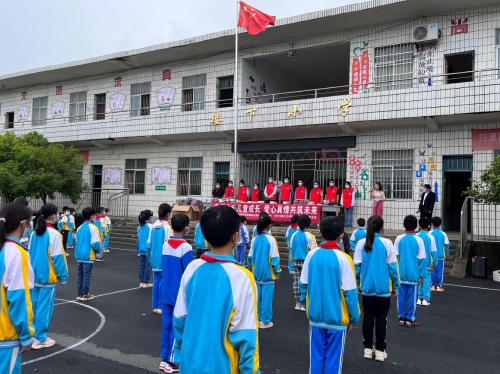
331 244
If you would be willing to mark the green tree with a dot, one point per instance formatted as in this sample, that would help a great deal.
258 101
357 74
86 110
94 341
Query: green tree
32 167
487 188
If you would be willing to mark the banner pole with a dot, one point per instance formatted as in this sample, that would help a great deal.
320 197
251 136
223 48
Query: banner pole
235 95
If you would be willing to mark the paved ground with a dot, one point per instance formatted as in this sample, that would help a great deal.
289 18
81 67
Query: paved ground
116 332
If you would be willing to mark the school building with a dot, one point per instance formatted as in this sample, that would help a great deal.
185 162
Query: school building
399 92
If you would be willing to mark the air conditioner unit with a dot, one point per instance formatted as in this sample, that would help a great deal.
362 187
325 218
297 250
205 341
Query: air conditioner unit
425 33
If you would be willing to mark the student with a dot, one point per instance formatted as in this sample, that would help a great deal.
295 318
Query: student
316 195
16 277
255 196
71 225
332 197
101 225
244 241
199 240
329 271
294 226
254 231
270 191
25 240
377 279
159 234
177 254
264 262
218 191
301 242
65 226
300 191
48 261
243 192
443 250
109 228
412 269
143 235
88 246
286 191
347 201
216 332
358 234
229 191
424 289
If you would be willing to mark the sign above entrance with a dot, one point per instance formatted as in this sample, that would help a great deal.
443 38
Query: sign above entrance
485 140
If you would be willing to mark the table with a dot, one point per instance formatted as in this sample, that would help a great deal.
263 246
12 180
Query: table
330 209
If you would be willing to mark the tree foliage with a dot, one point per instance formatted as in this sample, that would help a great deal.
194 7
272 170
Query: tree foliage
32 167
487 188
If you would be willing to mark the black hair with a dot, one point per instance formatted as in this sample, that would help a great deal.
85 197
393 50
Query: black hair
361 222
264 222
46 211
256 184
242 181
424 223
65 208
304 222
331 228
243 219
379 186
106 210
349 183
230 182
11 217
144 216
72 210
101 209
427 186
436 221
294 219
180 221
316 182
88 212
331 180
164 210
375 224
286 178
219 224
410 223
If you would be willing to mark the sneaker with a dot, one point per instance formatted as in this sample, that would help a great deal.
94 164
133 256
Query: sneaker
263 325
292 272
369 353
425 303
402 322
157 311
419 302
412 323
99 260
106 250
67 254
79 297
171 368
380 356
433 288
302 309
141 285
297 306
162 365
439 289
46 344
147 285
87 297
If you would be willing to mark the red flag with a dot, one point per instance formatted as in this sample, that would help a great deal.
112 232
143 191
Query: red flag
253 20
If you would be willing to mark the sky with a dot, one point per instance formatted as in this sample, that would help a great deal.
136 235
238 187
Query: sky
49 32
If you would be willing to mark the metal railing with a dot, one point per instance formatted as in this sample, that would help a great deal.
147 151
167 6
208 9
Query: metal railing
464 225
486 225
115 199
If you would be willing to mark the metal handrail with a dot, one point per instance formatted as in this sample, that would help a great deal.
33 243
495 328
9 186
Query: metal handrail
464 219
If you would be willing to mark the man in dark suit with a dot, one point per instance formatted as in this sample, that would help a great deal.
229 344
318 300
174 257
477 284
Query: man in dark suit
427 202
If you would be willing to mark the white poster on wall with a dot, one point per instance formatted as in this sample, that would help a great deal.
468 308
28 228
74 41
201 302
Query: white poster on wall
117 101
57 109
112 176
22 113
165 96
161 175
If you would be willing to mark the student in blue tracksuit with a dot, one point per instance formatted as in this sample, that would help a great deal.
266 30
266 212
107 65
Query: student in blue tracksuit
143 231
199 240
329 271
241 248
16 278
377 278
294 226
71 226
301 242
158 235
109 228
358 234
254 231
264 262
443 250
176 256
215 319
64 225
48 261
100 223
410 250
424 289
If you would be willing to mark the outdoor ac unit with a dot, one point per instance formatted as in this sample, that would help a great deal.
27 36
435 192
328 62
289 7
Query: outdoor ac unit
425 33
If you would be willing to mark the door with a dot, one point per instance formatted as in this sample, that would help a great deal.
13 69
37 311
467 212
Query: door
100 106
96 186
457 173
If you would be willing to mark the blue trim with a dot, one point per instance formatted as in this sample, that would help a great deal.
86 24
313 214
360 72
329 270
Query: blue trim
13 239
329 327
10 344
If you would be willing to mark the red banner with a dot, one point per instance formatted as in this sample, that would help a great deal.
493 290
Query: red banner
486 140
365 69
355 76
278 212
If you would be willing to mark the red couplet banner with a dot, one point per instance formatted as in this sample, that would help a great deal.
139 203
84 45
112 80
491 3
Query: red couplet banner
278 212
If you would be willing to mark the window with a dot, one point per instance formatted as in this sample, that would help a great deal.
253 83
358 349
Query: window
394 169
100 106
40 111
189 178
497 50
496 154
9 120
394 67
135 175
140 99
221 173
225 86
459 67
193 92
77 106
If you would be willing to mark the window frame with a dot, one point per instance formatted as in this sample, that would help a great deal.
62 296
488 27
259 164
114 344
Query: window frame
75 106
9 124
497 50
450 80
99 116
37 110
222 177
382 83
194 105
496 153
225 103
188 187
134 189
392 164
141 111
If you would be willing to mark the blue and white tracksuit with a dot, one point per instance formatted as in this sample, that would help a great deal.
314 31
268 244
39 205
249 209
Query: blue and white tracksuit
200 242
328 271
144 265
264 262
16 314
215 319
443 250
242 245
424 289
158 235
255 233
71 226
177 254
48 261
289 232
88 247
101 225
356 236
109 228
410 250
301 243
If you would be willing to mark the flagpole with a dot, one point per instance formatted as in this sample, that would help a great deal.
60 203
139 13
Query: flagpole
235 85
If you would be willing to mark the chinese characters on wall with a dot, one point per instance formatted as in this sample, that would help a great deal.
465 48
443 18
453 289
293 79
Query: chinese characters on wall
425 63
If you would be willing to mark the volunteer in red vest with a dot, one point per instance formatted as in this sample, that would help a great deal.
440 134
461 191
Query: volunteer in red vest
218 192
347 201
316 195
243 192
300 191
270 191
229 191
255 195
286 191
331 193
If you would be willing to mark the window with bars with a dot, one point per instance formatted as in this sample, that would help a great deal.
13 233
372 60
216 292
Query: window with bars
140 99
135 175
394 67
77 106
40 111
226 88
221 173
393 169
100 106
497 50
193 92
189 176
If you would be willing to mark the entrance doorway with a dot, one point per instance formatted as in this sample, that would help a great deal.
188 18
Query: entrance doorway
96 186
457 172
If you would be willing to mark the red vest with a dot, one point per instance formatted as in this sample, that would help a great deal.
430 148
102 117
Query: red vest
347 197
300 193
331 193
229 193
269 190
255 195
315 195
286 192
243 193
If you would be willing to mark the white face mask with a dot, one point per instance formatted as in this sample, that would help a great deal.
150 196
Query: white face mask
241 185
67 213
270 181
230 185
218 186
255 187
300 183
286 181
346 186
316 186
332 184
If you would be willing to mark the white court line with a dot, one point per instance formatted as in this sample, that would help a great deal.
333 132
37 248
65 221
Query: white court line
96 331
477 288
104 294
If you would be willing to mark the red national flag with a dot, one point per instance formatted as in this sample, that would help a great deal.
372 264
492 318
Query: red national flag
253 20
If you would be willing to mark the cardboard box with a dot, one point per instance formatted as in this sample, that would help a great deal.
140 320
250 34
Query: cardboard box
193 212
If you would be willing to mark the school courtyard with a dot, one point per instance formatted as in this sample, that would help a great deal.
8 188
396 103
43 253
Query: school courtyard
117 332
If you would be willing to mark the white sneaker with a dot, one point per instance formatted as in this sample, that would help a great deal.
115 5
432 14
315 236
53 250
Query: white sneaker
141 285
163 364
419 302
263 325
369 353
439 289
157 311
302 309
147 285
425 303
380 356
433 288
292 272
297 306
46 344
